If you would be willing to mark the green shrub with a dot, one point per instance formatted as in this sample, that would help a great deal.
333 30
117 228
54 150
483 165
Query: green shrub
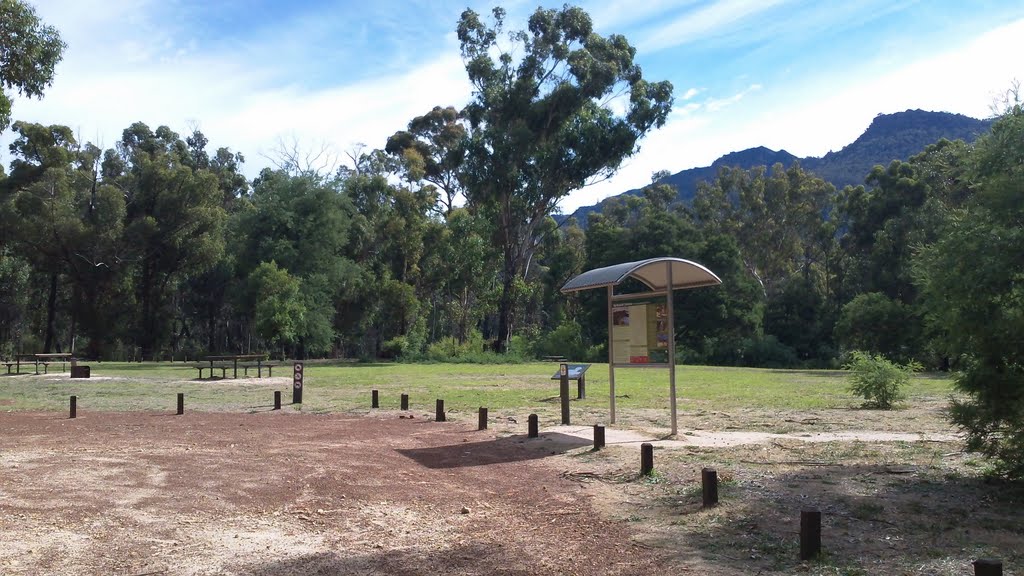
396 347
878 380
565 340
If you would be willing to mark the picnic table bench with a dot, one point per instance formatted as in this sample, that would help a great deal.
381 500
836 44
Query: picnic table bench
211 367
259 366
224 361
553 358
38 359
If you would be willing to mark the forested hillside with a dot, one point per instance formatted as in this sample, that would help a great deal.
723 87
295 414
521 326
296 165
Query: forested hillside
890 137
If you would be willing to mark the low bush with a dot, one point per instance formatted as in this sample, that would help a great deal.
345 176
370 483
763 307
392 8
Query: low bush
878 380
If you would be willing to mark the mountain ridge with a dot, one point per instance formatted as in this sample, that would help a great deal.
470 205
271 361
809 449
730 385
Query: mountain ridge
896 136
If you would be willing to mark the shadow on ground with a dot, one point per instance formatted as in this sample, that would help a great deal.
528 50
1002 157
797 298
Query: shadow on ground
517 448
875 519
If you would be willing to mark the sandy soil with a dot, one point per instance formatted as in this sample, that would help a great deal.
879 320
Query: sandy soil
279 493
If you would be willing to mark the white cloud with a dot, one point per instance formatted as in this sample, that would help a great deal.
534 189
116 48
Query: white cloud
706 22
236 97
717 104
824 113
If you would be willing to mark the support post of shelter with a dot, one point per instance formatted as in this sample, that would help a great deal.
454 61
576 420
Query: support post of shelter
611 358
671 348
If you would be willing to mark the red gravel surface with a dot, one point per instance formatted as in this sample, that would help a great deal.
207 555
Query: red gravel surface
286 493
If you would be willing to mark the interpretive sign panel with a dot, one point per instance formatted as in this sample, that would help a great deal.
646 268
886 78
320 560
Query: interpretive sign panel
640 333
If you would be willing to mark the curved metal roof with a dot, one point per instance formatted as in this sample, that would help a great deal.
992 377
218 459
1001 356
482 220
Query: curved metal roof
652 272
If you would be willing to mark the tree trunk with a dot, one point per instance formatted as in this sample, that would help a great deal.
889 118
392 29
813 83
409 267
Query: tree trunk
74 320
51 314
506 307
146 324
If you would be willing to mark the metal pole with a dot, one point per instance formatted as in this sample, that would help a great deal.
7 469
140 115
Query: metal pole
671 349
611 360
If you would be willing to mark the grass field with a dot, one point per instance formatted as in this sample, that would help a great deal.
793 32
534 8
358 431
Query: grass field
510 388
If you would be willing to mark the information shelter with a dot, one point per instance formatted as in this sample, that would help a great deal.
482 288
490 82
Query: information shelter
641 331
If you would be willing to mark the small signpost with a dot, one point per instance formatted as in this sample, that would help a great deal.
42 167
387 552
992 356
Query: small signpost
563 392
297 383
575 372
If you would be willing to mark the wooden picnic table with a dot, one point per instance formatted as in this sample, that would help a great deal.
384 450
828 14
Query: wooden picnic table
41 358
234 358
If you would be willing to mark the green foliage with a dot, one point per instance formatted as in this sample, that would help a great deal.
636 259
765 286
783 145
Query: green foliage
565 340
972 283
29 52
14 279
540 126
278 311
878 380
877 324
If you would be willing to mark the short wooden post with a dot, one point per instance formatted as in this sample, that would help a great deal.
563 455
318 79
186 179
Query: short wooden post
709 486
482 419
598 436
74 407
988 567
277 399
810 534
533 427
646 459
181 403
297 369
374 399
563 391
405 401
439 411
581 387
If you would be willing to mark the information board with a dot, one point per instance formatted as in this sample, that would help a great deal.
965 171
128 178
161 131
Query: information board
640 333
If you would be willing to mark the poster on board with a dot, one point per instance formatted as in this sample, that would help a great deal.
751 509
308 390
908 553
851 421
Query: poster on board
640 333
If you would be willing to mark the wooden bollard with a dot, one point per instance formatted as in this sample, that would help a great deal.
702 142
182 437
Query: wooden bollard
439 411
181 403
810 534
482 419
988 567
709 486
646 459
598 436
74 407
277 399
533 429
405 401
374 399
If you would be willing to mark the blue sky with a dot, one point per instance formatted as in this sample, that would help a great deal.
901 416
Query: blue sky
806 76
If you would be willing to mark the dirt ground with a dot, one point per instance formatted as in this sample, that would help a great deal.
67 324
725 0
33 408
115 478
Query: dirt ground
287 493
279 493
